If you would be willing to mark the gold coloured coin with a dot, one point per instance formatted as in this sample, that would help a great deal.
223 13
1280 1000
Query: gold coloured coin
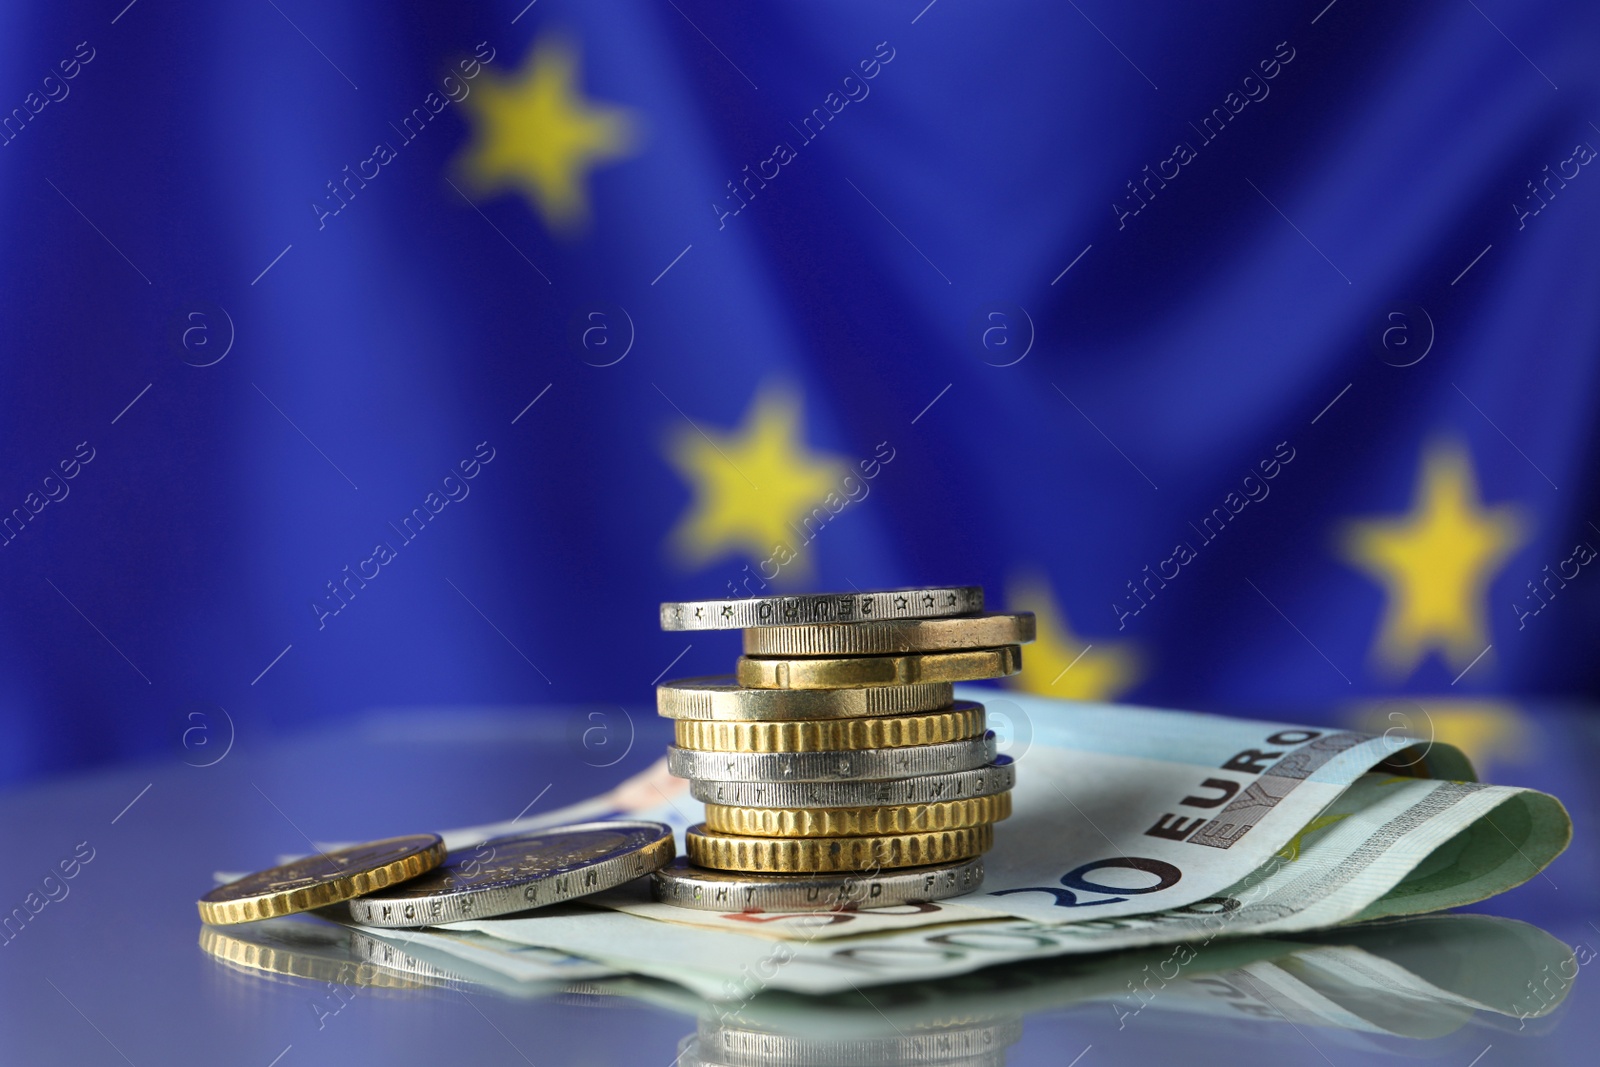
850 672
883 637
326 878
857 822
960 722
721 697
726 852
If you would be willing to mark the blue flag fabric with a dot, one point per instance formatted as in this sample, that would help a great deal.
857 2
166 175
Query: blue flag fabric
362 356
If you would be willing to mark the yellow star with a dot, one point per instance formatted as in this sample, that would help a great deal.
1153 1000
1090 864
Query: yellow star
1061 664
1486 731
1435 563
758 490
537 133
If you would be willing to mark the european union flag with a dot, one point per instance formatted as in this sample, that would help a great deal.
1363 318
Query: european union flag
371 356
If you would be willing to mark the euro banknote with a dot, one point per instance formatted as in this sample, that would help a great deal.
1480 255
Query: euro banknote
1388 845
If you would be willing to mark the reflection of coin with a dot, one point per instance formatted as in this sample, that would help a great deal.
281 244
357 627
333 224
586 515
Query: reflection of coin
728 852
883 637
321 952
325 878
844 672
821 607
855 822
710 890
951 1045
997 777
832 766
896 731
722 697
522 871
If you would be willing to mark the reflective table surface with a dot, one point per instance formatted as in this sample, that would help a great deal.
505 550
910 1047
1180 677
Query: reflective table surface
103 959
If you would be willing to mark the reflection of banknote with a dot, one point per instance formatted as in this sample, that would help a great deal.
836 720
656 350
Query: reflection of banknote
1412 977
1386 846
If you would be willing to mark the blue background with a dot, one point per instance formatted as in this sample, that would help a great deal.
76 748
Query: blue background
985 169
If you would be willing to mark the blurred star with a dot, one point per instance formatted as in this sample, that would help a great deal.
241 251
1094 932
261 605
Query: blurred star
537 133
759 491
1060 663
1435 563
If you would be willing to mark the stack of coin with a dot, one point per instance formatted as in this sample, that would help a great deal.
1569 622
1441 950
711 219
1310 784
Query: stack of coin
836 766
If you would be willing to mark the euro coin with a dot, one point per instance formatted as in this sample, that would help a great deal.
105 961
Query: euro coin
323 879
522 871
962 721
722 697
857 822
883 637
996 777
704 889
845 672
804 608
835 766
727 852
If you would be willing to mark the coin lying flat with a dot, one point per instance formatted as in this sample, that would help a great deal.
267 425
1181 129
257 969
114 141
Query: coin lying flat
821 607
521 871
727 852
326 878
996 777
882 637
822 735
837 766
857 822
722 697
843 672
710 890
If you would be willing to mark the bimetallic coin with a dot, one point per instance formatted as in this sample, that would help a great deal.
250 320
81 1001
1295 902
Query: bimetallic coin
857 822
727 852
521 871
722 697
821 607
997 777
822 735
839 766
743 1047
883 637
704 889
326 878
845 672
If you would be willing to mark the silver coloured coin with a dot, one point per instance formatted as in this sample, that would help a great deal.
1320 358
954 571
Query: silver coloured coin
750 1048
887 637
722 697
996 777
702 889
521 871
908 762
742 614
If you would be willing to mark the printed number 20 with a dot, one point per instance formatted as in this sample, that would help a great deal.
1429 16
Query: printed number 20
1166 873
